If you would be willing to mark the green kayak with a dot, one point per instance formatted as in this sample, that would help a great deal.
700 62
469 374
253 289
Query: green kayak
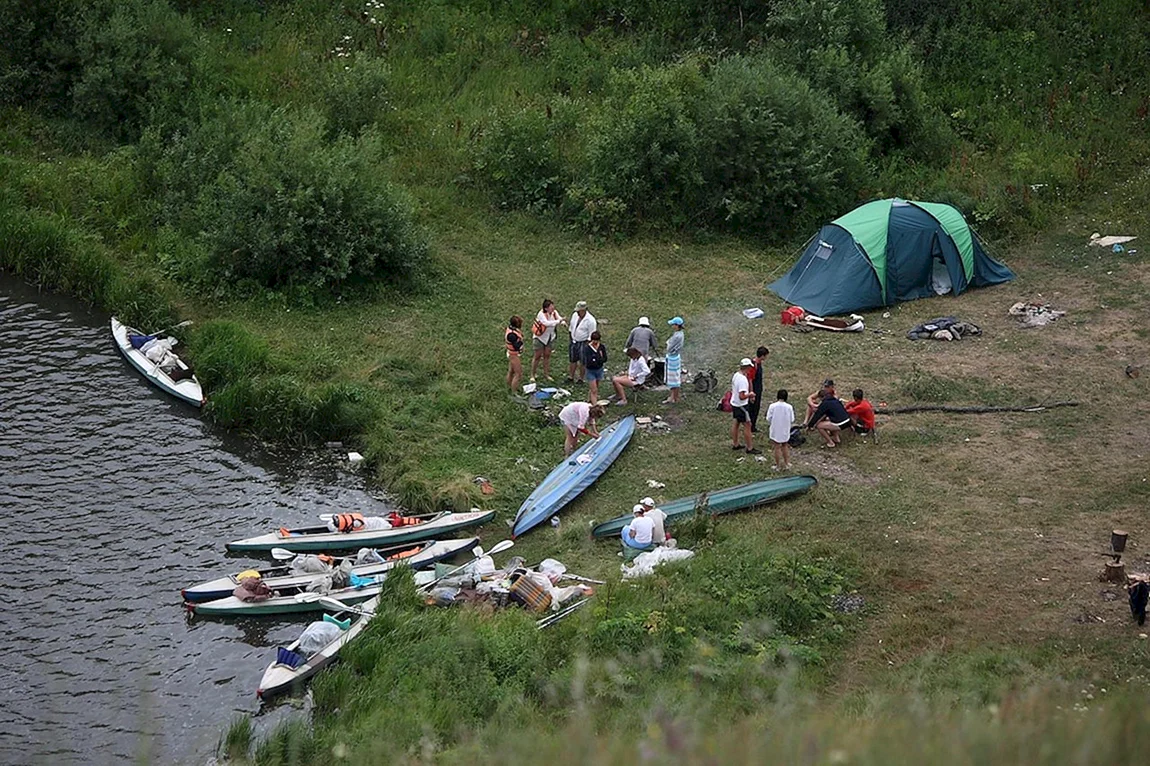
721 501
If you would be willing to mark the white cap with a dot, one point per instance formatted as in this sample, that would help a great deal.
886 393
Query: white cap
644 321
638 509
647 501
746 363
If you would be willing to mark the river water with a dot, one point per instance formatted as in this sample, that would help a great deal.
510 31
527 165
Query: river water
114 497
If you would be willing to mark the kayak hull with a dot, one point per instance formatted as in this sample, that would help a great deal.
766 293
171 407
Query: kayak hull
446 524
187 390
233 607
281 577
574 475
720 502
281 679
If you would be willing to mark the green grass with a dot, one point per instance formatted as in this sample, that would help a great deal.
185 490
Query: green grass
972 539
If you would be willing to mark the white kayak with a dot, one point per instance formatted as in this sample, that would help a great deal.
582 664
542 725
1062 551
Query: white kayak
186 389
288 600
320 538
281 677
415 555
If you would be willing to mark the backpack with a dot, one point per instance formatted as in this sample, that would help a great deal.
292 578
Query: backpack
797 438
705 381
725 402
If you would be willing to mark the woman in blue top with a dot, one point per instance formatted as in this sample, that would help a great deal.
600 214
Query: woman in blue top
674 370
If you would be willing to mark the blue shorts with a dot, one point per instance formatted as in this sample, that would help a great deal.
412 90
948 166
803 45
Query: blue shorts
595 374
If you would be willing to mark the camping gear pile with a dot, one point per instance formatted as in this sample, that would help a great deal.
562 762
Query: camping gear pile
645 563
853 323
885 252
537 589
944 328
1034 314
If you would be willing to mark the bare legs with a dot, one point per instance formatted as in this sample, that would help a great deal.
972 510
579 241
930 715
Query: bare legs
514 372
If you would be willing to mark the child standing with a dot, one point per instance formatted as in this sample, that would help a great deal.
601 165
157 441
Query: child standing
780 418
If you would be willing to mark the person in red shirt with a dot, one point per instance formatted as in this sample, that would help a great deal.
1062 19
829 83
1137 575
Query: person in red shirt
861 412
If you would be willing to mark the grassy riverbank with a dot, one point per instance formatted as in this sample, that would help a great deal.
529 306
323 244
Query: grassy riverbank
974 541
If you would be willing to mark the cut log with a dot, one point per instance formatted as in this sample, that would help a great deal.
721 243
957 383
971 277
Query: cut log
968 410
1115 572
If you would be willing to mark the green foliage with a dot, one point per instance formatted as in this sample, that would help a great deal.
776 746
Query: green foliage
237 740
274 205
519 156
356 94
776 155
643 145
226 351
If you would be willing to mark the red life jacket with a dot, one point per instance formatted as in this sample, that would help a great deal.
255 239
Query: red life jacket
518 334
396 520
348 522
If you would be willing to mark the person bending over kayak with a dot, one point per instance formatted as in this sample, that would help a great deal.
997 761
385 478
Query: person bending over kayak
639 535
829 418
577 418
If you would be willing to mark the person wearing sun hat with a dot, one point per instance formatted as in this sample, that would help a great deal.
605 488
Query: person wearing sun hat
638 536
741 397
643 338
674 371
658 520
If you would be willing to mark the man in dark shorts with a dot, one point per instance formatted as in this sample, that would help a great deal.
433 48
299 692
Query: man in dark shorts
741 397
829 418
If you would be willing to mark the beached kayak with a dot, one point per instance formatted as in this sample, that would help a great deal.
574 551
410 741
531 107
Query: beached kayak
289 600
575 474
281 677
320 538
414 555
186 389
719 502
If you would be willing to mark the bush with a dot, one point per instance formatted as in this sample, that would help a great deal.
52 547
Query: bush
519 157
776 154
643 149
354 93
275 205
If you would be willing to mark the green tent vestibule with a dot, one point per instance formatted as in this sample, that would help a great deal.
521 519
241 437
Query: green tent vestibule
888 251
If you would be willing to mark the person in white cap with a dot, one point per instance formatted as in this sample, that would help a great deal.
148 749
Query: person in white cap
658 520
741 396
638 536
581 326
643 338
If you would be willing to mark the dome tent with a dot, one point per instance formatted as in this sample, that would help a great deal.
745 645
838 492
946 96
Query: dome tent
885 252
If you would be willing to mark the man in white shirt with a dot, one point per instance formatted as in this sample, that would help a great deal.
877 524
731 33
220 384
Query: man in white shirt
780 418
741 396
638 535
658 519
581 326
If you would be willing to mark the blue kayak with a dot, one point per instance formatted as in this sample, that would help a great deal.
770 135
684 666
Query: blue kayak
573 475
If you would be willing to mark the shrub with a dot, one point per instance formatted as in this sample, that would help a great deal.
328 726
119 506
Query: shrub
776 154
643 149
355 95
275 205
519 157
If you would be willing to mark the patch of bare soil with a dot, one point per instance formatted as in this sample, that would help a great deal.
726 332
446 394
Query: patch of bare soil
830 464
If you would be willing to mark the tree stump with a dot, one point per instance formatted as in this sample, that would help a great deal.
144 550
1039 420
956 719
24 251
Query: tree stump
1115 572
1118 540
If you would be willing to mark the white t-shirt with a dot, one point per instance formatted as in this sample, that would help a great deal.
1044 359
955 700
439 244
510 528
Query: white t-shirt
549 323
740 390
781 416
638 370
644 529
575 416
658 519
581 329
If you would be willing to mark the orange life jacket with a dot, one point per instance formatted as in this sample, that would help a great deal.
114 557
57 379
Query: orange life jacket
518 334
402 521
404 554
348 522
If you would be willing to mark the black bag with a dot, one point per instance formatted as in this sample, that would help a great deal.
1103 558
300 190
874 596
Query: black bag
797 438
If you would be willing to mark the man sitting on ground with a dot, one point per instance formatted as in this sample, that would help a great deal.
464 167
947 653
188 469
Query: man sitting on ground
830 417
658 519
638 536
861 412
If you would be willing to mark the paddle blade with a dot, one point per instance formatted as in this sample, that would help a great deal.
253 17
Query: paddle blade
333 603
282 554
308 597
500 547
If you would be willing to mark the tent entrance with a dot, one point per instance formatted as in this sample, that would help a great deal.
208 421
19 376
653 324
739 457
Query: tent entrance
940 277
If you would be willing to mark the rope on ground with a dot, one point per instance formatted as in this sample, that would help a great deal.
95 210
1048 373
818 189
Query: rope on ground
969 410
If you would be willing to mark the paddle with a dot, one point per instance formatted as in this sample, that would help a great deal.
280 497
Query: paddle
554 618
477 552
166 330
311 597
283 554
